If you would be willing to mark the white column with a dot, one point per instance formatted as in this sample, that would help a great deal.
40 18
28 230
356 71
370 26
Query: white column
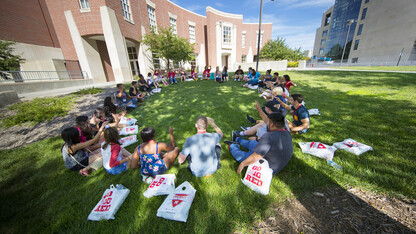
145 57
233 56
87 52
116 46
250 56
218 35
201 58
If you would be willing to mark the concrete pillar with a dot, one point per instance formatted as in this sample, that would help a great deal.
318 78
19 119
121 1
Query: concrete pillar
233 56
145 57
218 37
87 52
116 46
250 57
201 58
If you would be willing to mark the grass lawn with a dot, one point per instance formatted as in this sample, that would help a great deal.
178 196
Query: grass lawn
381 68
379 109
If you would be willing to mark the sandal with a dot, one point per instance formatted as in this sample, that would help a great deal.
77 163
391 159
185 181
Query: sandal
84 172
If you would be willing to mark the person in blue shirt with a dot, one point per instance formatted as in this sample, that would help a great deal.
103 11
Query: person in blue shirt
300 123
254 75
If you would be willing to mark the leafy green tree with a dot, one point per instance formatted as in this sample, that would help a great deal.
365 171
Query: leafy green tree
8 61
278 50
169 46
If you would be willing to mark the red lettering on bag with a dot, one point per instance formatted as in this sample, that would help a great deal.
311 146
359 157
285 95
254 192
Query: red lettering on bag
257 174
102 208
107 200
108 194
321 146
256 168
160 181
176 202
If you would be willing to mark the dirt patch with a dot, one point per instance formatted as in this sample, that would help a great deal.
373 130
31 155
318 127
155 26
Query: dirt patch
17 136
336 210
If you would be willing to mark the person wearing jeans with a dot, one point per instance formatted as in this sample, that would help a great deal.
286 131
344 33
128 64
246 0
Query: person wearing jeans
121 98
239 154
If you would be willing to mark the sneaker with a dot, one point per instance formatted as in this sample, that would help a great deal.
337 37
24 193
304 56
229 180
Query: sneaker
238 79
251 120
230 142
244 128
234 135
235 79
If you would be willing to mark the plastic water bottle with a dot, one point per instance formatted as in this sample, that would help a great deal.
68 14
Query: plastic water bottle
332 163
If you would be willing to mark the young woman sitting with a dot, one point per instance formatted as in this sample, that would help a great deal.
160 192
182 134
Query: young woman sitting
207 73
218 75
75 154
116 159
182 75
224 75
149 154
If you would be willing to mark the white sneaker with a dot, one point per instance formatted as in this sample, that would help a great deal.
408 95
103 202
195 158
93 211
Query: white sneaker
235 79
238 80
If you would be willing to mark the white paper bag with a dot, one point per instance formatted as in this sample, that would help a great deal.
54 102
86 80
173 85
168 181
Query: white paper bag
128 121
128 140
353 146
161 185
318 149
314 112
176 206
259 177
253 86
111 201
129 130
156 90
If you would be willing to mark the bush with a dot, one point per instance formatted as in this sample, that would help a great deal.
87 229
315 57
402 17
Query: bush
89 91
38 110
293 64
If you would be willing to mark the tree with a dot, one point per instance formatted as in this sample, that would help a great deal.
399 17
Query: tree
278 50
8 61
169 46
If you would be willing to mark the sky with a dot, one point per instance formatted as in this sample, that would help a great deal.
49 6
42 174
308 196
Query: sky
294 20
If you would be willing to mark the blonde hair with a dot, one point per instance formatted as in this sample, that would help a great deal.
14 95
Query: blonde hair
278 91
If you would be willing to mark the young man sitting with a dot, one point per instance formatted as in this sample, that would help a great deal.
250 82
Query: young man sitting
239 73
275 146
300 123
121 98
133 92
202 150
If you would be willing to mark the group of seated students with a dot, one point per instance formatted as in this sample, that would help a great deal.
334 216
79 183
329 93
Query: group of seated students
95 142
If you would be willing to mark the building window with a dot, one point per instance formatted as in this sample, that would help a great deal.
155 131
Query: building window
243 58
243 40
364 13
173 25
323 41
325 33
356 44
192 33
360 29
327 19
152 17
321 51
156 61
354 60
226 34
84 4
125 5
367 1
261 39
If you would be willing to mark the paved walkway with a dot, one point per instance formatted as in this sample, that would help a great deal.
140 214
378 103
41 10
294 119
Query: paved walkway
342 69
63 91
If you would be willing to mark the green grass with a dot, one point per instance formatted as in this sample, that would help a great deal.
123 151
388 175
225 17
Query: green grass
382 68
39 195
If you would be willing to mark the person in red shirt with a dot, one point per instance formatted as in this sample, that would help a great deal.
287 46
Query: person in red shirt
171 76
206 73
288 82
193 73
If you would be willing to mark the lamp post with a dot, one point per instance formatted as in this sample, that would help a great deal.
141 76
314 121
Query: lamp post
349 22
258 37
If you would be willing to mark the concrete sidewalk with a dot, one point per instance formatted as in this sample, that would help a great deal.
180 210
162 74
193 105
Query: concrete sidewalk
341 69
63 91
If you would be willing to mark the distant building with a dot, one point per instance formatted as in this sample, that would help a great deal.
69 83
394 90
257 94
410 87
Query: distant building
380 31
308 53
103 37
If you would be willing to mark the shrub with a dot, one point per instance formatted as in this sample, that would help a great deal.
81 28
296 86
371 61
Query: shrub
293 64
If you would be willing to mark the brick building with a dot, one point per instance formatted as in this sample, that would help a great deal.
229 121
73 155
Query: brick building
102 37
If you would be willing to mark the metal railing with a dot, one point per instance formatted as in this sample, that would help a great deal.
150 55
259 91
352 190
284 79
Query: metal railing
23 76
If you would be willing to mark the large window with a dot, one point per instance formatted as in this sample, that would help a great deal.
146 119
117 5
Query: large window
356 44
192 33
125 5
84 4
152 17
243 40
321 51
261 39
173 25
134 63
360 29
325 33
243 58
323 41
226 34
364 13
327 19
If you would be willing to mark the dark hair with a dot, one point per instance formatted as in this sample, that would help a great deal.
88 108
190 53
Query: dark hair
269 71
99 112
109 105
202 122
276 73
149 74
225 68
82 123
147 134
297 97
119 85
253 72
110 136
287 78
70 136
80 120
278 119
134 82
141 76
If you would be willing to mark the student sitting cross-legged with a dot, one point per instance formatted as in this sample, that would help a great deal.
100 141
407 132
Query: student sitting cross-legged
116 159
149 154
202 150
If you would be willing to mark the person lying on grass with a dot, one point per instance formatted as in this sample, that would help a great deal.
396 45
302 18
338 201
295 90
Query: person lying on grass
116 159
150 154
202 150
275 146
300 123
75 154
